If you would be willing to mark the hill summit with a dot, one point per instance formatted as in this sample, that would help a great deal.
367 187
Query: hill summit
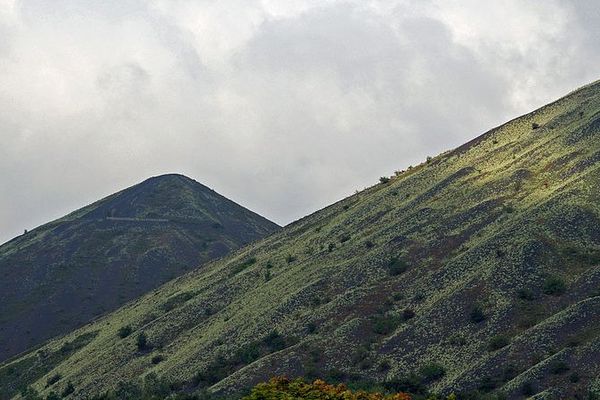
475 273
62 274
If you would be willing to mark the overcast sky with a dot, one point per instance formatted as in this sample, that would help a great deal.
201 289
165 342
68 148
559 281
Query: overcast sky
283 106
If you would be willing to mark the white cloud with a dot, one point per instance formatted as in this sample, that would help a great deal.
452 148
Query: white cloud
284 106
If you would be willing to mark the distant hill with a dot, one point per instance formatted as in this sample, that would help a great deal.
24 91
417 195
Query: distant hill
63 274
477 271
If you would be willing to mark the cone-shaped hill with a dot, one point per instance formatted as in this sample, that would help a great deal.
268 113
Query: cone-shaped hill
61 275
475 271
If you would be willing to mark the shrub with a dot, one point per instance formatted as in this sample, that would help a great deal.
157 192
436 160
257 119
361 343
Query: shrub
527 389
477 314
397 266
432 372
344 238
124 331
53 396
384 179
559 367
53 379
498 342
384 366
525 294
157 359
290 258
284 388
509 373
457 339
574 377
535 125
369 244
408 314
384 324
142 342
240 267
554 286
69 389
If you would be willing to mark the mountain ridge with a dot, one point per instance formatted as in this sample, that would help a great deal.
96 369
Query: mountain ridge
124 244
476 272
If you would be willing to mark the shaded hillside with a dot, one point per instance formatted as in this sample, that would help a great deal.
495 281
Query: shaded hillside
61 275
475 271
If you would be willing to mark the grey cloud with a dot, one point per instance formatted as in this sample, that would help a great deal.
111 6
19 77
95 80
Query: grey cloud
283 107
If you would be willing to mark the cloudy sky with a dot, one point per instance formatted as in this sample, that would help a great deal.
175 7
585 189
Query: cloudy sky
283 106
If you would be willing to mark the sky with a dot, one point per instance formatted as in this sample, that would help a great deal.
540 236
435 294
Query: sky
283 106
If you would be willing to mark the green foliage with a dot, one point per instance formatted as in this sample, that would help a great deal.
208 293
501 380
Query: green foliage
446 222
559 367
385 324
176 300
285 389
124 331
53 379
69 389
53 396
477 315
407 314
397 266
526 294
240 267
432 372
498 342
384 179
142 342
157 359
554 286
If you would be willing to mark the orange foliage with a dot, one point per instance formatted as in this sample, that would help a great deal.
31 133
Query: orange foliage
282 388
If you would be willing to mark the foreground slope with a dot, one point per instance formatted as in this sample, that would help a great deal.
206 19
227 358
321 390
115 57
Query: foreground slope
61 275
478 270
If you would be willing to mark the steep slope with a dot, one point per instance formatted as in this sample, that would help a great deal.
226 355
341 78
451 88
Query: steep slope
475 271
61 275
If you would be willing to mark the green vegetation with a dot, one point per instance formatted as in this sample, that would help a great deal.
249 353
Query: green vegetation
341 310
477 315
498 342
554 286
113 251
124 331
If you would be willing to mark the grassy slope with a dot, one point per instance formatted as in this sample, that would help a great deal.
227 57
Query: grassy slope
59 276
501 214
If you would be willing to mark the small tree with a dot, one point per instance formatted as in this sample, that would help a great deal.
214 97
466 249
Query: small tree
124 331
384 179
554 286
498 342
142 342
477 314
69 389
